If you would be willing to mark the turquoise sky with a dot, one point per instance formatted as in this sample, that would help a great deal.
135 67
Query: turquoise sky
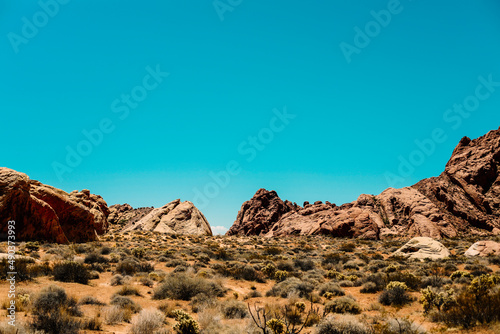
145 102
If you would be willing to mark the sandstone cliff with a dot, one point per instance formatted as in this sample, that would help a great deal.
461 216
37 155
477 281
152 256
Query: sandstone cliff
46 213
465 198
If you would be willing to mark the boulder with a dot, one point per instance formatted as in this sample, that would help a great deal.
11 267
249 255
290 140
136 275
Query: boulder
421 248
484 248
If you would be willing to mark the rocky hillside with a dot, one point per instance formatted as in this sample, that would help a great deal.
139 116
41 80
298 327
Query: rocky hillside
42 212
465 198
175 217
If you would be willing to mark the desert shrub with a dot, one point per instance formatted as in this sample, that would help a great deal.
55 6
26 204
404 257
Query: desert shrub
434 298
304 264
184 287
90 300
246 272
285 266
24 269
348 247
269 270
478 303
125 303
343 305
351 265
376 265
291 285
93 324
95 258
128 290
185 323
139 252
460 274
412 282
172 263
369 287
118 280
115 314
233 309
147 321
202 301
127 266
395 294
146 281
435 281
71 271
333 288
53 312
400 326
50 298
280 275
334 258
379 279
342 325
105 250
276 326
273 250
346 283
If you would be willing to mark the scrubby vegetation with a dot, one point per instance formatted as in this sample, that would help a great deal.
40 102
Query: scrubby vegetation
159 283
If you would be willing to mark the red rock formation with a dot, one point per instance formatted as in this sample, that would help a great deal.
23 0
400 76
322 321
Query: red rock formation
46 213
259 214
465 198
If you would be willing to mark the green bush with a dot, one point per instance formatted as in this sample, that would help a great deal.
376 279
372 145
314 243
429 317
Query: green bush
291 285
53 310
343 305
71 271
395 294
184 287
333 288
125 303
233 309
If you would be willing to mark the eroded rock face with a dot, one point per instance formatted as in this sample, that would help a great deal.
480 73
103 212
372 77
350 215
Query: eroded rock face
422 248
259 214
484 248
175 217
46 213
465 198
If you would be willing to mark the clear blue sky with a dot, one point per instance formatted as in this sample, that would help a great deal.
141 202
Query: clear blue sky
87 65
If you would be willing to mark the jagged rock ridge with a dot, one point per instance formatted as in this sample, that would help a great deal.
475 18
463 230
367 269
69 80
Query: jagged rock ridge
465 198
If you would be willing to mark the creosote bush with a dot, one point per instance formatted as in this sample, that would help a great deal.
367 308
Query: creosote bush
71 271
395 294
184 287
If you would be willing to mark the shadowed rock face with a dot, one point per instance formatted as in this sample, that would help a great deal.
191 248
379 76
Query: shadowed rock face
175 217
465 198
257 215
46 213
